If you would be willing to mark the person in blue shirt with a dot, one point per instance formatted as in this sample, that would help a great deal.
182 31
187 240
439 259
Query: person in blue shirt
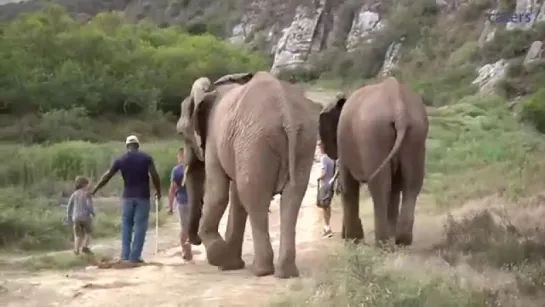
177 197
135 167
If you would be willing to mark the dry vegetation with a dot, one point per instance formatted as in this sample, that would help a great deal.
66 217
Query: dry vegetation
479 227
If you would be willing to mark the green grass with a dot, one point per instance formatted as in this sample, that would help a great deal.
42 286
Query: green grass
477 148
32 183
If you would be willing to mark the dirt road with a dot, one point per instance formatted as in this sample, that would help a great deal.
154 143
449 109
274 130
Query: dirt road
171 282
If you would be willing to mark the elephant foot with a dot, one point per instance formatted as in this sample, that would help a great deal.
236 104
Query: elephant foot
261 270
194 239
405 239
354 234
237 264
287 271
215 252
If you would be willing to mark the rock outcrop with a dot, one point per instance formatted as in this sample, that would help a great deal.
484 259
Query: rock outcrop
292 31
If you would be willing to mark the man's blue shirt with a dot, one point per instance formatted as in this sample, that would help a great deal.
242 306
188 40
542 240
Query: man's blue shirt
177 177
134 167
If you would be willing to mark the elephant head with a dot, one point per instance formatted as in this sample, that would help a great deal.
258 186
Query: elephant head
192 125
329 120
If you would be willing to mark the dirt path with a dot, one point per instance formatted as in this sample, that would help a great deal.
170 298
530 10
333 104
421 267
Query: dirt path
172 283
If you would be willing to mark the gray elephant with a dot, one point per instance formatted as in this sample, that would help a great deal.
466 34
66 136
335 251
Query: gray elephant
253 137
379 135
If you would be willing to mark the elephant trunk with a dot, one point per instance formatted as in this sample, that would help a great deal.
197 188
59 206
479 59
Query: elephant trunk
194 182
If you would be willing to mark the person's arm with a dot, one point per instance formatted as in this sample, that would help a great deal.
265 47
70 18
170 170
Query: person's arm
91 206
155 178
323 174
106 177
172 189
334 176
70 209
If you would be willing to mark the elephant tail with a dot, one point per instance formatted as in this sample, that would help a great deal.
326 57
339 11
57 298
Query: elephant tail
400 135
292 142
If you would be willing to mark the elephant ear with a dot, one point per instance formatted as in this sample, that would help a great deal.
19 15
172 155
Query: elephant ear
202 102
328 123
240 78
190 124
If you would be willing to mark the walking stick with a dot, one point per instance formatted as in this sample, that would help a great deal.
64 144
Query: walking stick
156 225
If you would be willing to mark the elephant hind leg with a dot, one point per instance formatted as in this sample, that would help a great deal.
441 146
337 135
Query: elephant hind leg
395 198
234 234
256 200
380 189
412 172
216 199
290 205
350 195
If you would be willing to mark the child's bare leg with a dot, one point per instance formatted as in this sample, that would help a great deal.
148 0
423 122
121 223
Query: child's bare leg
86 241
77 244
186 246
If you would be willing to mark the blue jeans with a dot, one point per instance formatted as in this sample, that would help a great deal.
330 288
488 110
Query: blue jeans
135 214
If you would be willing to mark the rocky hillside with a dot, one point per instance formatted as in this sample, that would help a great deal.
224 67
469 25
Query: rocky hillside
366 37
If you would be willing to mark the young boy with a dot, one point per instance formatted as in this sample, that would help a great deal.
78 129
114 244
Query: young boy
325 191
79 213
177 196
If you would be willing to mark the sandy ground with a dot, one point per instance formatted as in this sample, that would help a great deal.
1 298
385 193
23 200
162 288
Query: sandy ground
171 282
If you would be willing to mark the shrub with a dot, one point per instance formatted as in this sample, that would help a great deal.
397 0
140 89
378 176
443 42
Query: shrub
478 148
107 65
508 44
533 110
361 277
489 238
38 179
522 79
36 166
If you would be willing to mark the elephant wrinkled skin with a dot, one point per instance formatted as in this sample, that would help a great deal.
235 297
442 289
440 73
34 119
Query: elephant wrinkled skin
379 136
252 136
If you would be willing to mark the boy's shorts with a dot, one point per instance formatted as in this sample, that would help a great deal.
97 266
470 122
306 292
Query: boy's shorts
325 195
82 228
183 215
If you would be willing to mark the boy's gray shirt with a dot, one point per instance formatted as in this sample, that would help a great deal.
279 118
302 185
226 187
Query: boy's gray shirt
80 207
328 165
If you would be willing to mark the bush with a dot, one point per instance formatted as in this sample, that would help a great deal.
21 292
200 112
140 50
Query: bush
533 110
46 169
522 79
74 124
361 277
39 179
489 238
508 44
35 223
106 66
478 148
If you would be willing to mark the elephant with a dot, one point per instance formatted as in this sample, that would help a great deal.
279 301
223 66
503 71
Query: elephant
379 136
249 137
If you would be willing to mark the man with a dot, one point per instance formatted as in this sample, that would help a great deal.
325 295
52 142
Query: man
177 195
325 190
135 167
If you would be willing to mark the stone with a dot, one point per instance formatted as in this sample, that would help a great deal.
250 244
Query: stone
490 74
534 53
364 23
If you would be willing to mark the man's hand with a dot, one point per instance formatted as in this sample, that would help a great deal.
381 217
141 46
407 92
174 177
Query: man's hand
158 194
